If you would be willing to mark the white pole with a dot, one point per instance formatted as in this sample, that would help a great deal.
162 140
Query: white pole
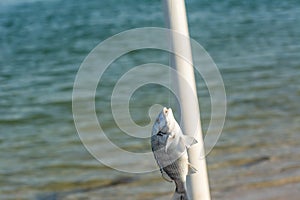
197 183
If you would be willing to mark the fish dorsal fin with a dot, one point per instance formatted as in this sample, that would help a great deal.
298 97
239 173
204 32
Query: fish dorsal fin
189 140
165 175
191 169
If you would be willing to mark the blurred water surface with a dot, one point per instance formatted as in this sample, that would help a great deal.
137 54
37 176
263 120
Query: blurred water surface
43 42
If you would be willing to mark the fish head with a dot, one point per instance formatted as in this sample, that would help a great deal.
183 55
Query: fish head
164 122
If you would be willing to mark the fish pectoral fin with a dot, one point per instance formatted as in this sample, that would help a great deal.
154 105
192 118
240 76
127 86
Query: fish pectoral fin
191 169
165 176
189 140
168 143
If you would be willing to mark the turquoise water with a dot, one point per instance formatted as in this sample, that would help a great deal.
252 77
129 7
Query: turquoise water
43 42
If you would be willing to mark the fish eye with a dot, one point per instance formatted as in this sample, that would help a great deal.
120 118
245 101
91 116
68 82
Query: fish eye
161 133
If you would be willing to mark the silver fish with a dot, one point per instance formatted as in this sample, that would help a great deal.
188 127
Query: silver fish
169 146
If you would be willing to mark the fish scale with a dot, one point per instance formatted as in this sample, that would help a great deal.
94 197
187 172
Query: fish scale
176 171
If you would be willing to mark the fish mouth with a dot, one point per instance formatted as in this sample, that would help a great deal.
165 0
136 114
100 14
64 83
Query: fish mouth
166 111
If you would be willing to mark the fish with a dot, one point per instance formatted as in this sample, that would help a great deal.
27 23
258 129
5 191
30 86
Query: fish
169 146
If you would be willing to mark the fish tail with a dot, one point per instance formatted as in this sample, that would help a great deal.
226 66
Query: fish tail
180 196
180 192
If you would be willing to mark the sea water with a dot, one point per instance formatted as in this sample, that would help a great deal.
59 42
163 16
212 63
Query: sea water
255 45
